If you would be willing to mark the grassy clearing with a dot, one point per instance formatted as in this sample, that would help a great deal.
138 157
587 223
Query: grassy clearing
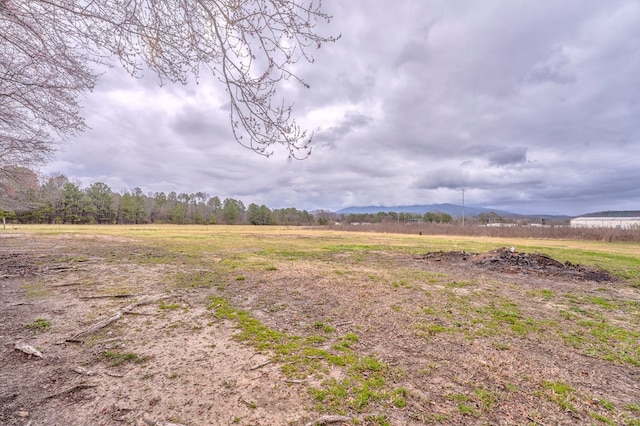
39 324
455 347
291 243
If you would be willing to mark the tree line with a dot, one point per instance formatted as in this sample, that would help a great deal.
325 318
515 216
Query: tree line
57 200
24 198
382 217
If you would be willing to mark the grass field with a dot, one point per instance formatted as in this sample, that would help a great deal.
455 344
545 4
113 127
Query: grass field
352 325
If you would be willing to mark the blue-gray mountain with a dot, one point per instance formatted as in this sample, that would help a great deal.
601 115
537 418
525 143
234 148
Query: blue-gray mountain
452 209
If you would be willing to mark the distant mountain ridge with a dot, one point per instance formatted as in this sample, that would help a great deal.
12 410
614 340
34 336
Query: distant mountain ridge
452 209
455 210
614 213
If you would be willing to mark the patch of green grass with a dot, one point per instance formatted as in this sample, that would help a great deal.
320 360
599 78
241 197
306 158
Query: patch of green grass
342 248
37 289
579 310
169 307
401 283
511 388
351 337
367 364
459 397
487 399
399 397
428 311
377 419
319 325
117 358
467 410
292 254
561 393
365 375
346 342
39 324
460 284
495 317
601 301
353 393
199 279
252 330
601 418
430 329
603 340
607 405
547 294
277 308
501 346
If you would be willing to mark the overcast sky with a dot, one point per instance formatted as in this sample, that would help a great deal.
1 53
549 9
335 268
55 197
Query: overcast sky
529 106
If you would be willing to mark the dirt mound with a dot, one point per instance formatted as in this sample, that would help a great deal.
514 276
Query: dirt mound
507 260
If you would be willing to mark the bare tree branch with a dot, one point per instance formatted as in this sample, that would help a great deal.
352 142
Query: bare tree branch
47 48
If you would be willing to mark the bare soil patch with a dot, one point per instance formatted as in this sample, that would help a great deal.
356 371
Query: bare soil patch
154 365
471 338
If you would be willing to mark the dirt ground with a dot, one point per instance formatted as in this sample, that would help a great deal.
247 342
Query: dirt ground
186 368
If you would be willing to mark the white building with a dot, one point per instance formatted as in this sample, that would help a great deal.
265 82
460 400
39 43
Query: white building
606 222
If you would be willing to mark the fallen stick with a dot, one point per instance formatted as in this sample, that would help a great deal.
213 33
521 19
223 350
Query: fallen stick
113 339
79 337
66 284
152 422
29 350
255 367
84 371
70 390
140 313
325 420
535 421
59 268
106 296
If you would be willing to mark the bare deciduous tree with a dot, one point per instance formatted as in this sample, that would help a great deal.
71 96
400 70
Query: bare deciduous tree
41 76
47 48
18 186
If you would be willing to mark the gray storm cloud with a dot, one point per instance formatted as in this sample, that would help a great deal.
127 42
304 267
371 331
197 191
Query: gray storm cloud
527 105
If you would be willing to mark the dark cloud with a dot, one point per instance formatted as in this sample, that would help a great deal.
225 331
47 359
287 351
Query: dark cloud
508 156
350 122
527 105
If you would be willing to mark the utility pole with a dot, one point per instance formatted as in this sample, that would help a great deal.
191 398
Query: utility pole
462 206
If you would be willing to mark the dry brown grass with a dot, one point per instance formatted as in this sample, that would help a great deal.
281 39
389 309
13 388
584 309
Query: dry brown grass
352 324
552 232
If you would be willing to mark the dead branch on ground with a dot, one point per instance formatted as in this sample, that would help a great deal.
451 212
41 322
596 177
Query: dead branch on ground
67 284
70 390
80 336
255 367
325 420
107 296
29 350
